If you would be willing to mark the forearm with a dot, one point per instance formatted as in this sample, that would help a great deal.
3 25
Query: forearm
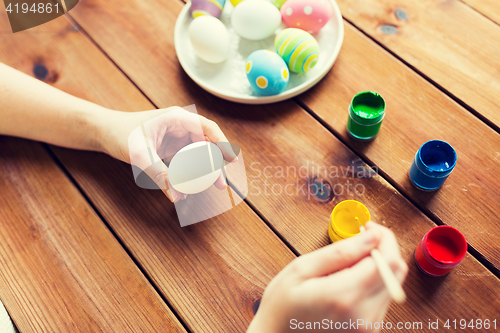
34 110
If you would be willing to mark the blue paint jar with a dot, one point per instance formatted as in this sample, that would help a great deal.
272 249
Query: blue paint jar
433 163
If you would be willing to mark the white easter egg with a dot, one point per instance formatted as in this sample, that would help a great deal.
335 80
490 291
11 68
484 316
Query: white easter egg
195 167
210 39
255 20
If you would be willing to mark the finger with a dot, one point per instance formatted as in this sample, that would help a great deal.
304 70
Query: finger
337 256
363 278
390 250
215 134
190 122
150 163
202 128
220 183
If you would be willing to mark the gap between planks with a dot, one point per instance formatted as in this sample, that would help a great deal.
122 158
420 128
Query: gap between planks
106 224
427 78
435 219
480 12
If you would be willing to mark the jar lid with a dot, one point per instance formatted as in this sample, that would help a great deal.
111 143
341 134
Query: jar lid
444 246
436 158
367 108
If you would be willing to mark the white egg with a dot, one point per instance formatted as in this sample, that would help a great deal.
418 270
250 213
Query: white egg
255 20
195 167
210 39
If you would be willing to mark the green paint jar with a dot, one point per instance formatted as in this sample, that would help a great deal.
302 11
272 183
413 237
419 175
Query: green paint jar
366 112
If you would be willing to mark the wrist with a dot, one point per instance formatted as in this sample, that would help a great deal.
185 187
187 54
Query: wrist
100 122
262 325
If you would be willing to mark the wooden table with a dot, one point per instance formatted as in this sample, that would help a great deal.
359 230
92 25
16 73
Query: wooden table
85 250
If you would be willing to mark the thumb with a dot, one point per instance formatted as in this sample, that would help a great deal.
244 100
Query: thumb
338 256
150 163
144 156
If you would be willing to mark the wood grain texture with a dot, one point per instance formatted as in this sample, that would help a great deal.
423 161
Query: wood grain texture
279 138
418 112
212 273
62 270
446 40
488 8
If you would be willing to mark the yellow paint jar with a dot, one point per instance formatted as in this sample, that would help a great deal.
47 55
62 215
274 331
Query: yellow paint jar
345 219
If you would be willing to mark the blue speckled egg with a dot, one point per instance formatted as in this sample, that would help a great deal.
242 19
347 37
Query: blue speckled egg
267 72
207 7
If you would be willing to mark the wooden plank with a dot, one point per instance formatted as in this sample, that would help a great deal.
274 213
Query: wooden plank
62 270
418 112
488 8
447 41
281 136
211 273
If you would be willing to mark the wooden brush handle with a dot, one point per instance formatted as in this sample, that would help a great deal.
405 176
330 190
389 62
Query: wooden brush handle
391 282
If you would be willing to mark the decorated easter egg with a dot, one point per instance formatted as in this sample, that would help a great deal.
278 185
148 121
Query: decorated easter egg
278 3
298 48
206 7
195 167
308 15
255 19
210 39
267 72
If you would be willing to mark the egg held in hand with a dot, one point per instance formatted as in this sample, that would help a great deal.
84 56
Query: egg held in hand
206 7
308 15
267 72
298 48
210 39
255 19
196 167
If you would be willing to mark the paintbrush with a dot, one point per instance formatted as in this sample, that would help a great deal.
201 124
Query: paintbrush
391 282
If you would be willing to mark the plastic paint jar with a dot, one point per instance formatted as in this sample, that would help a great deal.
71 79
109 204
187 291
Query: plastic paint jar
366 112
433 163
441 249
345 219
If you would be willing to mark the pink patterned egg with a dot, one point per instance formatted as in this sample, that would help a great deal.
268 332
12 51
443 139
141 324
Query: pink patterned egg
308 15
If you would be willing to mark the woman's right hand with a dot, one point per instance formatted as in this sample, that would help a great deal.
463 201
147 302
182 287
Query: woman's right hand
338 283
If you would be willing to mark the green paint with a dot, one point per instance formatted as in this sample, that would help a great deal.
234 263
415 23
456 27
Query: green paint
366 112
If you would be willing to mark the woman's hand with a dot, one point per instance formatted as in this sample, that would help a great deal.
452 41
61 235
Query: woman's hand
337 283
34 110
148 137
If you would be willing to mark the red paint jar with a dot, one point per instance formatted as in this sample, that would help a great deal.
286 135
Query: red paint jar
441 249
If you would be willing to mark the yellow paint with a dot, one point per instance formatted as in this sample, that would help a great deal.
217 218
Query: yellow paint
235 2
298 51
198 13
311 62
285 74
262 82
345 219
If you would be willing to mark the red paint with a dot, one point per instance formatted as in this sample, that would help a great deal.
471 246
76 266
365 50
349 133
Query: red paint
441 249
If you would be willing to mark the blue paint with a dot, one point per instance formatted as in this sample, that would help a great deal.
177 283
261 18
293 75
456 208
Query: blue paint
433 163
